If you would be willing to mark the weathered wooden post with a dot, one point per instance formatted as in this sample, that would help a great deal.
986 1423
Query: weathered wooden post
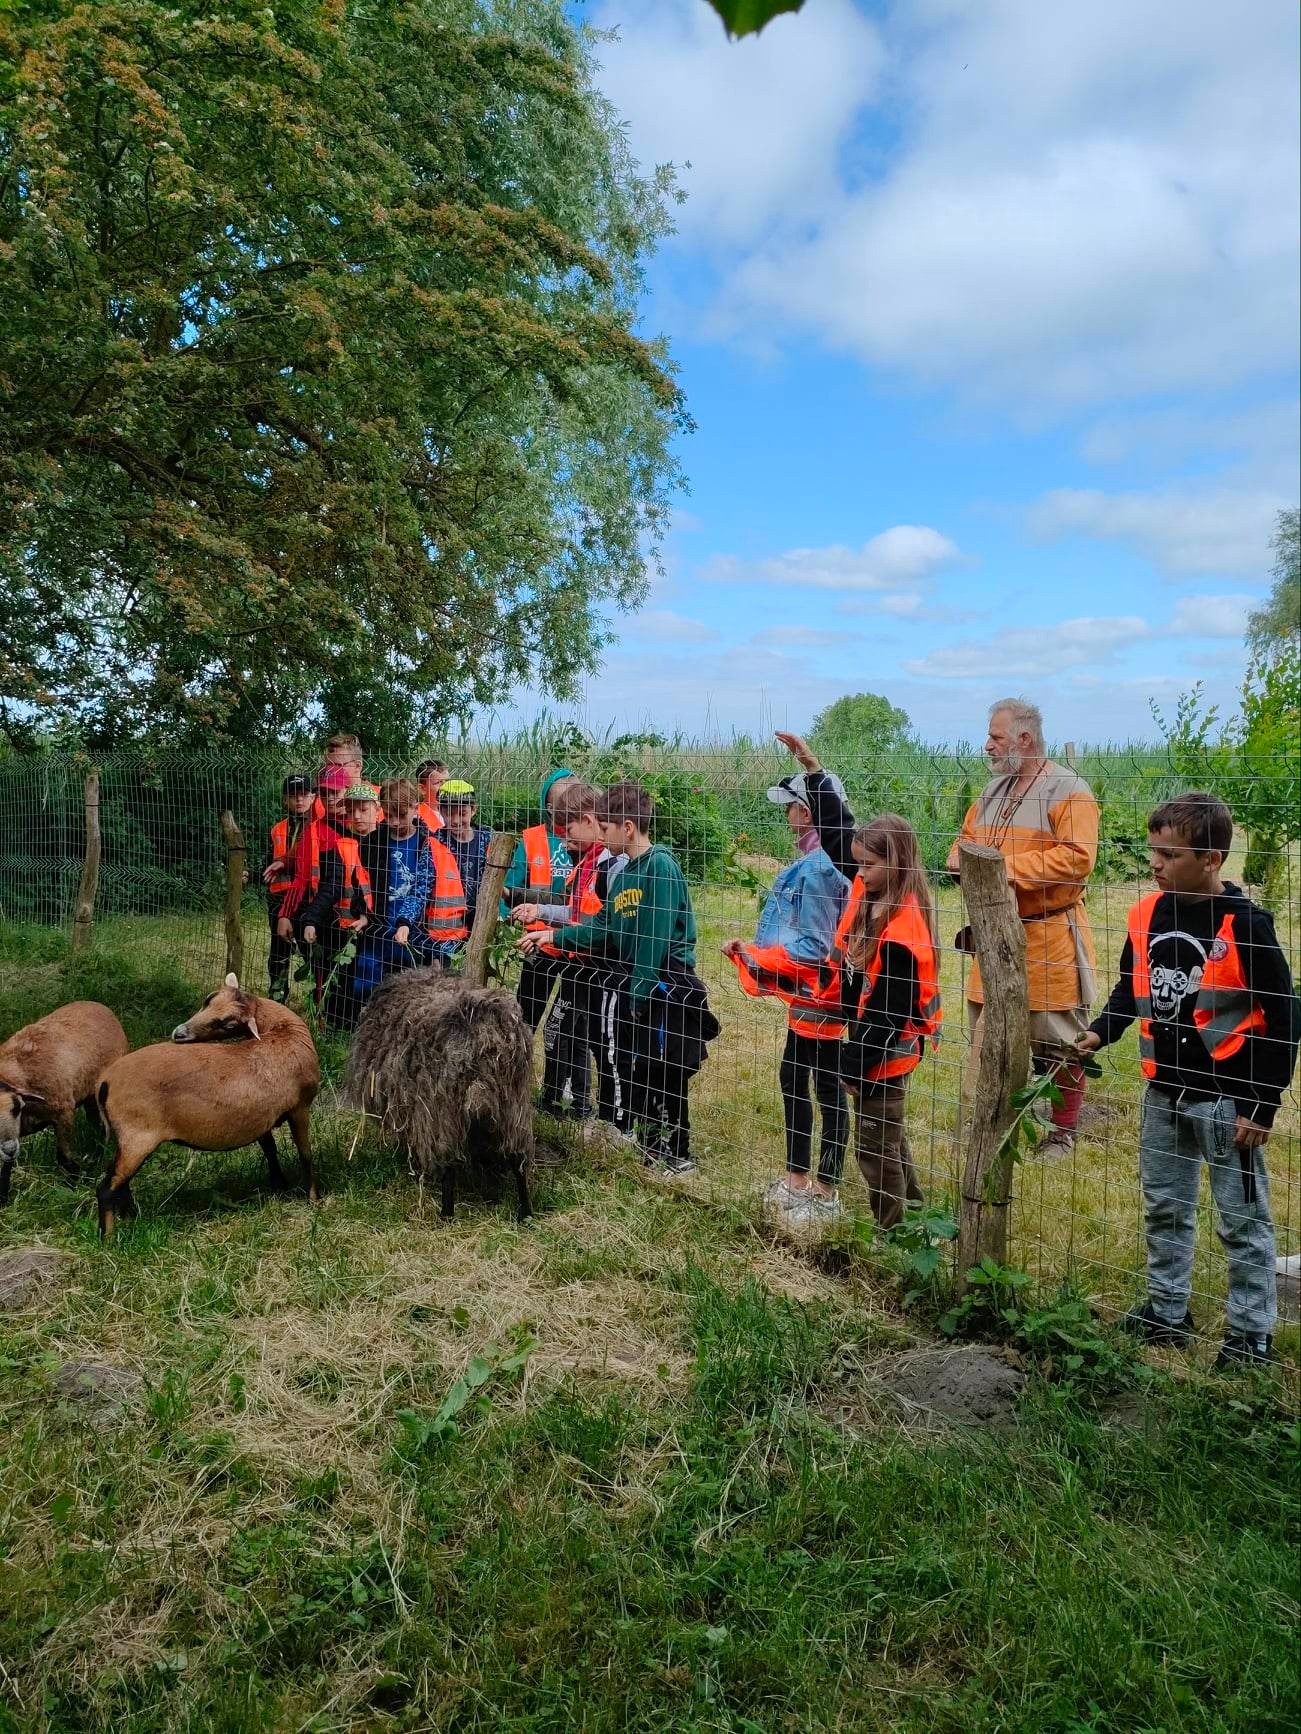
89 887
236 863
1003 1062
500 851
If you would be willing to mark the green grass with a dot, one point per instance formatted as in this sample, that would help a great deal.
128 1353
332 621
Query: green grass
692 1508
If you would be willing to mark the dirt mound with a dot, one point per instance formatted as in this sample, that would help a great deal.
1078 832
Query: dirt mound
967 1387
97 1390
26 1270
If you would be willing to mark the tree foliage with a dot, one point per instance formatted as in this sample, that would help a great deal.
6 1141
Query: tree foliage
1253 762
1279 620
857 728
318 379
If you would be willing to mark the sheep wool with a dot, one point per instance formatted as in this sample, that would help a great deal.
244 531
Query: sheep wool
446 1069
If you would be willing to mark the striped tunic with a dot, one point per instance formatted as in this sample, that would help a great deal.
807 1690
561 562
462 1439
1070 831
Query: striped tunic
1050 842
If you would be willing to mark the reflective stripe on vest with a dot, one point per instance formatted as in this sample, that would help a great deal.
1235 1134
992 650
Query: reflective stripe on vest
908 927
355 878
445 912
1225 1013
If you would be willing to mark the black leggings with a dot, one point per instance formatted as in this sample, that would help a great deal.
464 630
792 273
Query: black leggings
816 1060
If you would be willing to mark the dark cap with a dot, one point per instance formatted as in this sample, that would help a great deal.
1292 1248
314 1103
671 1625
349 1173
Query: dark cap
297 784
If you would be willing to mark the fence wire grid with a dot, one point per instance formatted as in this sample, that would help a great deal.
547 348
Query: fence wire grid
1076 1212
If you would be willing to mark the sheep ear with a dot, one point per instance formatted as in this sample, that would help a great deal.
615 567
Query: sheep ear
232 980
253 1029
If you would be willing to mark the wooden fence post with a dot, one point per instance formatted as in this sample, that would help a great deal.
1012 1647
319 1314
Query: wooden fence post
236 861
500 852
1003 1061
89 887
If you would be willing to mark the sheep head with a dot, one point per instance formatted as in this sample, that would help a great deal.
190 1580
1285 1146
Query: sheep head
225 1016
12 1103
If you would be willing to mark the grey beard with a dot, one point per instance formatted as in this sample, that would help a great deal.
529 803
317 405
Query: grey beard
1009 764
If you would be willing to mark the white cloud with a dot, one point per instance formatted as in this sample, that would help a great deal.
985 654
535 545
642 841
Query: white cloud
1026 652
907 554
755 126
1081 203
1223 531
798 637
1210 617
1268 433
664 626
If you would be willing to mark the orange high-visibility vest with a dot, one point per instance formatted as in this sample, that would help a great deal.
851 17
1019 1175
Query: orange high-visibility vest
1225 1013
445 913
280 852
811 995
589 904
537 854
908 927
811 991
429 816
355 878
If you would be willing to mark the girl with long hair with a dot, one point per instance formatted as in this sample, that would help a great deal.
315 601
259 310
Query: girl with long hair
886 953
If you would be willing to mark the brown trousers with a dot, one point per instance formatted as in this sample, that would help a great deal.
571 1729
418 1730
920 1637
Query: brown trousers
881 1146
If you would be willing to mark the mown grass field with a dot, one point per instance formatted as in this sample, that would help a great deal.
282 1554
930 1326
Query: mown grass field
689 1506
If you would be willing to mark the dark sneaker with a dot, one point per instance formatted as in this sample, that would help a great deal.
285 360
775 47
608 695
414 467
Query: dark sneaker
678 1165
1243 1351
1143 1322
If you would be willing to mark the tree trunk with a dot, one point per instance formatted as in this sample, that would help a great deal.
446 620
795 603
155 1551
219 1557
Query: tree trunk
1003 1062
89 887
500 852
236 862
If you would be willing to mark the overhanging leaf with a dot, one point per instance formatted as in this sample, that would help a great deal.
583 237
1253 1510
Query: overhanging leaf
747 17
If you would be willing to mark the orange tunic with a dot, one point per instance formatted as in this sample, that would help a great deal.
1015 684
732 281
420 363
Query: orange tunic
1050 842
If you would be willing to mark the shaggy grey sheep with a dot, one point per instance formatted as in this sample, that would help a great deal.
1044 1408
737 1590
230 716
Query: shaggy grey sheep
447 1069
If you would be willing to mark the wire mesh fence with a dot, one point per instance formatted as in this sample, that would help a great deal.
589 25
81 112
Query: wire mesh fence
159 937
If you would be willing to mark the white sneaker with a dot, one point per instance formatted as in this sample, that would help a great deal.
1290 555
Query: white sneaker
782 1194
813 1210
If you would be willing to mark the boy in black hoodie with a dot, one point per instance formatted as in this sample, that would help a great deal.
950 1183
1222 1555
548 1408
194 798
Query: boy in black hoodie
1204 974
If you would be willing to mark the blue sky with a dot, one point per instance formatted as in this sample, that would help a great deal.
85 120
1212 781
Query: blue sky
987 313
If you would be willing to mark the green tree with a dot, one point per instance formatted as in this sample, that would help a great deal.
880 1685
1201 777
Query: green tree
858 728
748 17
1278 621
1252 762
317 364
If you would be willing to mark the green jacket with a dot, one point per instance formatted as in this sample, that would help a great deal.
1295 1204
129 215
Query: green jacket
648 922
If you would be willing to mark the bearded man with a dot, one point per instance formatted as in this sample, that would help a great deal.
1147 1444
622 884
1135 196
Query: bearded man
1043 820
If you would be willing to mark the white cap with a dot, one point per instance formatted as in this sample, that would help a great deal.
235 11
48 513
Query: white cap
795 788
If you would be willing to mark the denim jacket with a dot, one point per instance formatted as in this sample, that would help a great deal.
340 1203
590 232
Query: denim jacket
804 908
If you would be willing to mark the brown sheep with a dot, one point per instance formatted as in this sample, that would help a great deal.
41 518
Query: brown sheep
447 1068
47 1071
232 1073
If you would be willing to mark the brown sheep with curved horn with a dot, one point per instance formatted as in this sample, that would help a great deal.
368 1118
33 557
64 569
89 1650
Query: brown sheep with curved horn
232 1073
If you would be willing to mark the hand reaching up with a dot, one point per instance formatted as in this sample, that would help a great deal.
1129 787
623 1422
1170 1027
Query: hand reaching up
800 751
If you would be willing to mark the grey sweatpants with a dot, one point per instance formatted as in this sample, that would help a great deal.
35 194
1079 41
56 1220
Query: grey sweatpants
1174 1140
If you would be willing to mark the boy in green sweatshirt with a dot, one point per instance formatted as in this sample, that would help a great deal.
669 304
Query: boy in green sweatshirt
645 940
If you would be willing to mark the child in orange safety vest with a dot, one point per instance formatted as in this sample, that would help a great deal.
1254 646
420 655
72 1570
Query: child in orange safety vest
580 1027
1218 1022
796 931
883 972
293 874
